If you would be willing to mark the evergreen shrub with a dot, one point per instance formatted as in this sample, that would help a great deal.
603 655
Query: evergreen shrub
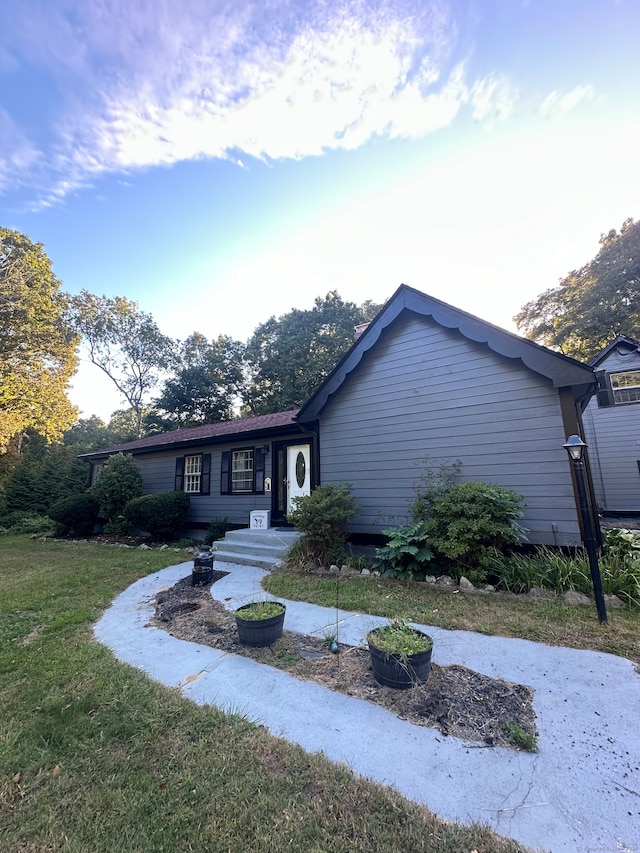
323 518
119 482
217 529
76 514
163 515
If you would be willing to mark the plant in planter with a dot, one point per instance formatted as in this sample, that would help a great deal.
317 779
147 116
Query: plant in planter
260 622
400 654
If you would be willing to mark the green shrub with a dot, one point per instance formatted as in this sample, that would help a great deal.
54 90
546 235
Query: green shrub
466 523
323 518
163 515
119 482
76 514
217 529
406 553
36 525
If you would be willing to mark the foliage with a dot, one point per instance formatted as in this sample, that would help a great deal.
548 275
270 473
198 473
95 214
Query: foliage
593 304
16 523
77 514
256 611
520 737
405 555
208 383
216 530
400 638
163 514
553 569
323 518
437 478
467 522
37 345
125 343
119 482
43 474
290 356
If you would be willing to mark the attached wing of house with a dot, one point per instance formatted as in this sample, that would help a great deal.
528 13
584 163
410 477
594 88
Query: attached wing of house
612 428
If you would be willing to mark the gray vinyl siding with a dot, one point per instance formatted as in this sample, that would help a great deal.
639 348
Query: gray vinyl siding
613 436
158 475
426 394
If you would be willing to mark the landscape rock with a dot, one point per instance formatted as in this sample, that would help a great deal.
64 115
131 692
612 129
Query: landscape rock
365 572
576 599
465 583
143 547
430 579
613 602
334 570
445 580
164 547
541 594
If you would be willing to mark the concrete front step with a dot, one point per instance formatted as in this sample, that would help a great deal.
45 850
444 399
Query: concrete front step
261 548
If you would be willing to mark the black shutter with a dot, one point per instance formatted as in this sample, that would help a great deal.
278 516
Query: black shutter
225 472
178 485
205 482
604 394
258 470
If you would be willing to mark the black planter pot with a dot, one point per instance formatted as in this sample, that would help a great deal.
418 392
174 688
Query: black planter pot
392 670
201 575
259 632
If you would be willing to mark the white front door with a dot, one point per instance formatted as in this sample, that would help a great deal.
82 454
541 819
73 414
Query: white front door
298 472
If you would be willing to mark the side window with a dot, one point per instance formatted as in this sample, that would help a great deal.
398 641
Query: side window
193 474
242 471
626 387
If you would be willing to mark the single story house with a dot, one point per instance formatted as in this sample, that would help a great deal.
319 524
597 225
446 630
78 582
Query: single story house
612 428
424 385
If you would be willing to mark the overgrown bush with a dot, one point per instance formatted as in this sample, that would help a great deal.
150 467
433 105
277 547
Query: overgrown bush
163 515
406 554
76 514
323 518
119 482
216 530
466 523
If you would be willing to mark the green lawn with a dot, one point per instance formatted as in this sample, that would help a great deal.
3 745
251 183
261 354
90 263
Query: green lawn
545 622
94 756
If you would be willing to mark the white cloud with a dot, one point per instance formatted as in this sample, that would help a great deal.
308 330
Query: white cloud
144 88
557 105
493 99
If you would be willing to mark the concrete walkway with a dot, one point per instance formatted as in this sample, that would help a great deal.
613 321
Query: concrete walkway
579 793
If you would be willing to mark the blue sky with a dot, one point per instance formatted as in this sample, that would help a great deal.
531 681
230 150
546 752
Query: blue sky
222 162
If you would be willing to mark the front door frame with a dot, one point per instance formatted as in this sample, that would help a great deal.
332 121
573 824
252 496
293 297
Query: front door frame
279 475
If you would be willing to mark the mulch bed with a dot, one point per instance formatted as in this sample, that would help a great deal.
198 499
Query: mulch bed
456 700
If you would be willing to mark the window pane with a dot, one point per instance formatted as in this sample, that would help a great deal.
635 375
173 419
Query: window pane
626 386
192 474
242 471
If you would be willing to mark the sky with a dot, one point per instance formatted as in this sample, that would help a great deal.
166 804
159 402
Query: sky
223 162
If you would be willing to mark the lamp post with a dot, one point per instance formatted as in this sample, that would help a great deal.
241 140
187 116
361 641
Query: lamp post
576 449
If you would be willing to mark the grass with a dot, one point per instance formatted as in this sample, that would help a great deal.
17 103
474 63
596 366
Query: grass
547 622
94 755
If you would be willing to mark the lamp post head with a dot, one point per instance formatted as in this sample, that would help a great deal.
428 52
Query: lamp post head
575 447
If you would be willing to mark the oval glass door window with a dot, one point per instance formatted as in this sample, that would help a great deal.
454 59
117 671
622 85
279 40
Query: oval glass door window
301 470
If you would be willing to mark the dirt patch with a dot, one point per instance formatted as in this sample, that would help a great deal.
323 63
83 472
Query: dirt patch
456 700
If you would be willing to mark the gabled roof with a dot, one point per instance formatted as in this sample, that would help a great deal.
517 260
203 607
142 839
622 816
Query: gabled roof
210 433
632 343
560 369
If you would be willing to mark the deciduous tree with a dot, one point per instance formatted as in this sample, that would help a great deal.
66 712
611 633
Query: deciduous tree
593 304
37 345
125 343
291 355
209 383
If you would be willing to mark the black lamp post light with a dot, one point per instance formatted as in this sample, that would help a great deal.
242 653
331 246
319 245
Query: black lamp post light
576 448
